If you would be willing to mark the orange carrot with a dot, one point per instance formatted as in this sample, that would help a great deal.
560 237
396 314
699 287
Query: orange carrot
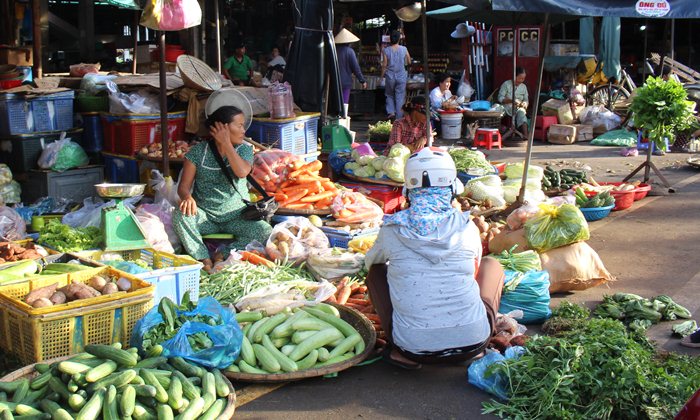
317 197
281 197
312 187
285 184
325 203
343 214
373 317
359 308
314 166
294 197
256 259
329 186
362 289
361 302
360 296
299 206
332 299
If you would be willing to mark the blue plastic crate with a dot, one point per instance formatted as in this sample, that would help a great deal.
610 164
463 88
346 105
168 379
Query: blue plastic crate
15 116
45 113
121 169
298 136
92 133
340 238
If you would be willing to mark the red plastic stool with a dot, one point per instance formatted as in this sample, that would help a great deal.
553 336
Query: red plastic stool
488 137
542 124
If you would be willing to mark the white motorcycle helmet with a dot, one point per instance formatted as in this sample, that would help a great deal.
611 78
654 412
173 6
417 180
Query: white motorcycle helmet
431 167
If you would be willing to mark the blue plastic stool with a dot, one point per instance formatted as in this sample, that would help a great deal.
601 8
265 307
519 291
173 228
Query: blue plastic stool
215 241
645 145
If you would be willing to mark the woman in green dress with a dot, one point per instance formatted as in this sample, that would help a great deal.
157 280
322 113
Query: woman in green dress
210 202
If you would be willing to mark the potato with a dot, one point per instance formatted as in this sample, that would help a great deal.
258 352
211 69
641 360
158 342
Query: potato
97 283
124 284
110 288
58 298
42 303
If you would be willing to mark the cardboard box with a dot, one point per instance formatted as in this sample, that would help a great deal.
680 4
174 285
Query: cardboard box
564 49
562 134
584 132
560 109
19 56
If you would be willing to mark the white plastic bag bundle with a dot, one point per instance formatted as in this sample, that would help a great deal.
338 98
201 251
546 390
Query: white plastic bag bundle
10 193
5 174
163 210
154 230
139 102
480 191
465 89
600 117
277 297
12 226
293 239
165 188
334 263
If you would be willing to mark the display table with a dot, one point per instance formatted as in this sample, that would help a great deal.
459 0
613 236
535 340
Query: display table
485 119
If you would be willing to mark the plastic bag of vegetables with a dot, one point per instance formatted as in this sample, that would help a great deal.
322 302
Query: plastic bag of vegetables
334 263
515 170
293 239
5 174
556 226
528 292
482 192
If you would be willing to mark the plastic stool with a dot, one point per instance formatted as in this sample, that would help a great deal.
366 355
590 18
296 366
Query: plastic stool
488 137
644 145
542 124
215 241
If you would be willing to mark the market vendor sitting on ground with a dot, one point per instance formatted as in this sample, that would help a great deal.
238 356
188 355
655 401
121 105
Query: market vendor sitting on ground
239 67
437 299
441 92
212 202
409 130
505 97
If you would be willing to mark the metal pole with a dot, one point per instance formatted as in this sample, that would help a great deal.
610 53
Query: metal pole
36 34
426 85
163 85
531 133
673 38
646 39
135 34
515 64
218 36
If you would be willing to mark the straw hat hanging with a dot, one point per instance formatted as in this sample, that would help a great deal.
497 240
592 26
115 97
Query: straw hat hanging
345 37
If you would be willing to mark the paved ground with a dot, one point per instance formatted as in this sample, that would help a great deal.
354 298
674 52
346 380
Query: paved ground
650 248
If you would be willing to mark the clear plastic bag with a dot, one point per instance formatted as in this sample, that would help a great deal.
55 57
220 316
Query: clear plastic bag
293 239
10 193
493 383
353 207
521 215
163 210
334 263
63 155
270 168
154 229
5 174
165 188
91 212
139 102
278 297
280 100
227 336
12 226
556 226
528 292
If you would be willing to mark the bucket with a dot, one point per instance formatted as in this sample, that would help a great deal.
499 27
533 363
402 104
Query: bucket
451 125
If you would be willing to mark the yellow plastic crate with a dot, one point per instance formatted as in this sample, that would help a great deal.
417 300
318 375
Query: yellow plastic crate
23 243
35 338
12 295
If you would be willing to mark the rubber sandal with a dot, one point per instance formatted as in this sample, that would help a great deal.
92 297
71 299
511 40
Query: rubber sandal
386 355
685 341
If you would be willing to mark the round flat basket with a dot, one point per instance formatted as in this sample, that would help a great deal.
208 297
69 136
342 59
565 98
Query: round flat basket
694 161
352 317
232 97
197 74
596 213
29 373
373 181
294 212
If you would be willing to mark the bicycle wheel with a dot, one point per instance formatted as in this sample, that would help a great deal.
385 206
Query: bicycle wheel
613 97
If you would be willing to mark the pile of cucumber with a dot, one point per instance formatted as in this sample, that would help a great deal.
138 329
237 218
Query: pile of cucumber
310 337
110 383
565 178
602 199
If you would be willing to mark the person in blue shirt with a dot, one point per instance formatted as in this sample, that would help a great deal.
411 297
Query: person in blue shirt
347 64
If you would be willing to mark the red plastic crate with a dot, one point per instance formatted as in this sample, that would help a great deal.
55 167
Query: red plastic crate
390 196
127 135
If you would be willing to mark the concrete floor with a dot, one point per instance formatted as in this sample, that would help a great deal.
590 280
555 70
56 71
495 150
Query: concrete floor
651 248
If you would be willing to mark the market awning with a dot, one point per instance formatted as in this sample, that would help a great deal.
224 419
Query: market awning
494 17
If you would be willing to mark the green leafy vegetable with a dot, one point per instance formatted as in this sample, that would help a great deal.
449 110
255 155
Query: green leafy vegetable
570 310
662 109
521 261
64 238
466 159
685 328
380 128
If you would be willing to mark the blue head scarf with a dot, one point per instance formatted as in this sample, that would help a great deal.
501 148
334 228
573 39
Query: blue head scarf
429 207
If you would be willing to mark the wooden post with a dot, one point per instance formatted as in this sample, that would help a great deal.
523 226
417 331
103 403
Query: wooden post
36 34
86 28
163 105
135 34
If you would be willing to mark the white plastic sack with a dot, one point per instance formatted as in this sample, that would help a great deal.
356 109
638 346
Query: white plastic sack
155 230
139 102
293 239
12 226
465 89
164 211
90 214
599 116
334 263
10 193
165 188
510 193
277 297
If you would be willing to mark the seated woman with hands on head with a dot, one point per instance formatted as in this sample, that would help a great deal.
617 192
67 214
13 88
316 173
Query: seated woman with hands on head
213 186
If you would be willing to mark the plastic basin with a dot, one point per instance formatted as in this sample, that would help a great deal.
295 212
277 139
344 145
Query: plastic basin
596 213
624 199
641 191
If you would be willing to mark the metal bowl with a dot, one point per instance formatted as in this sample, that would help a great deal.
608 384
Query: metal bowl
119 190
410 12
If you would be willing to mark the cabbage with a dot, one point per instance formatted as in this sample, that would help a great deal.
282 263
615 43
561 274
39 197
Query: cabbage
364 160
531 184
378 162
379 174
352 166
370 170
489 180
515 170
399 150
394 167
364 172
482 192
355 155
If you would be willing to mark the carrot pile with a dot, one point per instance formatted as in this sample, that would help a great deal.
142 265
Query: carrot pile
305 189
354 295
271 167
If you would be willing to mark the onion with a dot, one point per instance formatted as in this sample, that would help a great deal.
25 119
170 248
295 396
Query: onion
124 284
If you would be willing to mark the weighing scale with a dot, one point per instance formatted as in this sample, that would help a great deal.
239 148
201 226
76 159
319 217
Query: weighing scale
122 230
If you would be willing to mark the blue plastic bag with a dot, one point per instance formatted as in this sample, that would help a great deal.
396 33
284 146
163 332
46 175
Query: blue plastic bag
530 294
494 383
227 337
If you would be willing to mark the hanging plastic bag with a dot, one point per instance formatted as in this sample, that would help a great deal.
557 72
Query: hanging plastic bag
226 335
293 239
271 167
171 15
165 188
164 212
12 226
528 292
556 226
281 102
154 229
465 89
10 193
334 263
493 383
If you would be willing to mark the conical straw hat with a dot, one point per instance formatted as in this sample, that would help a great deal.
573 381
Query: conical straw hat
345 37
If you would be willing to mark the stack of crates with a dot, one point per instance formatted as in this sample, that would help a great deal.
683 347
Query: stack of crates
298 135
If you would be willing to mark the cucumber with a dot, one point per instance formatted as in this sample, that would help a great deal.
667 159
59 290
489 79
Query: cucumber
59 387
279 342
193 410
76 402
222 389
93 407
233 368
151 362
72 368
117 379
345 345
99 372
338 323
127 402
208 390
287 349
142 413
150 379
61 414
165 412
40 381
155 351
189 391
121 357
21 391
26 410
246 368
329 309
109 406
268 326
310 360
317 340
323 354
300 336
144 390
65 267
254 327
266 360
42 367
285 329
10 387
186 368
242 317
175 394
214 411
247 353
311 324
285 362
335 360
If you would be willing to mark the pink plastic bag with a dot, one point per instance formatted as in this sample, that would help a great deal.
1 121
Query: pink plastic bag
171 15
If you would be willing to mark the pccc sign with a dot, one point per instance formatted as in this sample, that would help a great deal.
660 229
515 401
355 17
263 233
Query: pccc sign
653 8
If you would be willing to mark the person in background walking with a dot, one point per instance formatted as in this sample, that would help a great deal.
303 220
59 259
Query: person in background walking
394 62
347 64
